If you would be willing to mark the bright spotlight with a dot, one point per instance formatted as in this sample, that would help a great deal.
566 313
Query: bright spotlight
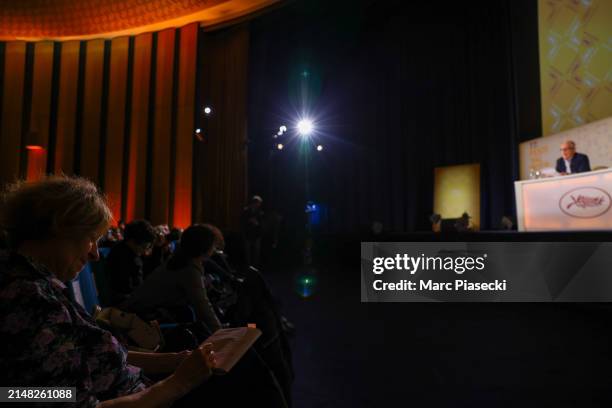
319 148
305 127
280 146
207 110
198 131
282 129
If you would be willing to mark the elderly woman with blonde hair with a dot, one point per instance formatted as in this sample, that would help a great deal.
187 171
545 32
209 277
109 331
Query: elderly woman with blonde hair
53 226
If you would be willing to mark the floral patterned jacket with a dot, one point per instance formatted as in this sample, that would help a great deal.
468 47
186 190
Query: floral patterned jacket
46 340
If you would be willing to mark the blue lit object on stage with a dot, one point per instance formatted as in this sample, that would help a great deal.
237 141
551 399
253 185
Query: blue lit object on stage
306 285
313 212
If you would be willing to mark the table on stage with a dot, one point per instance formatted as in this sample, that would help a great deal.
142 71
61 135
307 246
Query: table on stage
580 201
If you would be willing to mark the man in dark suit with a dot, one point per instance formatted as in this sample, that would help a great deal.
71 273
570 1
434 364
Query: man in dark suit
570 161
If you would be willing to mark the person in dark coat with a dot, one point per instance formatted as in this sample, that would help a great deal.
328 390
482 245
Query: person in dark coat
571 161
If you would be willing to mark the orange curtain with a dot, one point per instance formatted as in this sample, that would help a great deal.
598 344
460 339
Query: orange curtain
12 105
120 112
182 180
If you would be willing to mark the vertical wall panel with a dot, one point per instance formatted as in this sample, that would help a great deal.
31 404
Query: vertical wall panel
2 49
160 186
90 142
104 113
38 133
27 106
113 170
127 128
150 128
182 206
136 184
67 107
98 111
52 128
10 133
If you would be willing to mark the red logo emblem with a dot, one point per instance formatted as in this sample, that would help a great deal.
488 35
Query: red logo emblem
585 202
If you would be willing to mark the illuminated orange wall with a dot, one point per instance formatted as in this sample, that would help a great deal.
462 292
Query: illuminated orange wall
120 112
181 206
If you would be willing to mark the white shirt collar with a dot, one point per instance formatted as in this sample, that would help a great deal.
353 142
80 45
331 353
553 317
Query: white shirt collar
568 167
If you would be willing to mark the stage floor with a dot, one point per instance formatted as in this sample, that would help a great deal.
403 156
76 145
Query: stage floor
353 354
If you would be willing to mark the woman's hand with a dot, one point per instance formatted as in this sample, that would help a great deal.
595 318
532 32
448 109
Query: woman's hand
195 368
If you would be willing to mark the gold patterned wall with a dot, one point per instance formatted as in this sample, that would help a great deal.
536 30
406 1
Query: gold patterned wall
457 190
575 62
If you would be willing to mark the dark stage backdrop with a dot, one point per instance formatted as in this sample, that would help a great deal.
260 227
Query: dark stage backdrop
397 89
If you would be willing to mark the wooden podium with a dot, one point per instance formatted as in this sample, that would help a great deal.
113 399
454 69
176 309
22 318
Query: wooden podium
580 201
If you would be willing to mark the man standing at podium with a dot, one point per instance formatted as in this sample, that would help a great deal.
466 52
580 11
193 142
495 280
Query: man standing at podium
570 161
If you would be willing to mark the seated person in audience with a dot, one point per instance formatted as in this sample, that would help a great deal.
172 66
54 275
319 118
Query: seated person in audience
175 234
463 223
220 258
117 234
160 252
251 288
251 221
179 282
245 298
571 161
111 238
222 281
53 226
124 264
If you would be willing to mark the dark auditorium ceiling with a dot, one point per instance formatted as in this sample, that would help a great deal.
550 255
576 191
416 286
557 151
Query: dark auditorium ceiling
83 19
